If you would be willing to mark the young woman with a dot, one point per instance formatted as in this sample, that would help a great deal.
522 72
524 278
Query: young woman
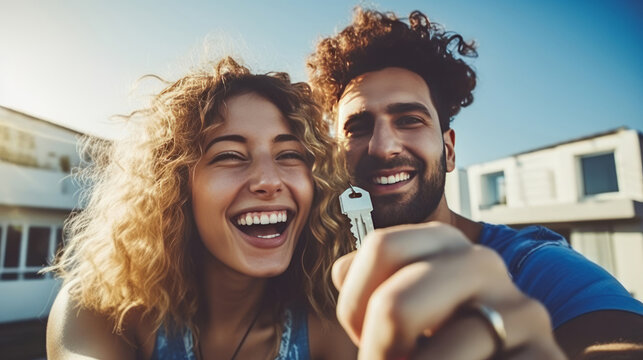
210 232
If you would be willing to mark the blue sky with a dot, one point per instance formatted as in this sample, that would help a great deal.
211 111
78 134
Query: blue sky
548 70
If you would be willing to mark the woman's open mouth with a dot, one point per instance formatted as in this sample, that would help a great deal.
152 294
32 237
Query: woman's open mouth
263 224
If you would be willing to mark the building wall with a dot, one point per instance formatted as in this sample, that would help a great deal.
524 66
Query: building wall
628 257
547 186
456 191
36 195
617 247
553 175
32 142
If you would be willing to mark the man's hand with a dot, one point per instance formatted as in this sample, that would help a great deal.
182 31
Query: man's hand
414 282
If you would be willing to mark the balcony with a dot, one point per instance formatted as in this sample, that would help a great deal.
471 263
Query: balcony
616 209
35 187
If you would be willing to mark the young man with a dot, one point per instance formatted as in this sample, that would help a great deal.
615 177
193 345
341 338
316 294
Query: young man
392 89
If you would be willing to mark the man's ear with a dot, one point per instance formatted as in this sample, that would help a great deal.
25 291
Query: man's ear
449 149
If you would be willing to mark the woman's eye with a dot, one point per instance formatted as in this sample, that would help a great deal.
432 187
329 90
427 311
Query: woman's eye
227 156
291 155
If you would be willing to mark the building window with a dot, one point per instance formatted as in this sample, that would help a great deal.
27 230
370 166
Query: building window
493 189
26 250
60 241
65 163
12 246
38 246
599 174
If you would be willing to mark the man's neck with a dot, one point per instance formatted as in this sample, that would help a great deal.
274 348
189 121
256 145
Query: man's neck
443 214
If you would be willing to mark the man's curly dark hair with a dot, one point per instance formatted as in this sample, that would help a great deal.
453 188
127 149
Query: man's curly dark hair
377 40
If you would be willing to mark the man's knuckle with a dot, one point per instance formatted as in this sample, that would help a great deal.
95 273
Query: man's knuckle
346 313
389 305
537 311
379 245
489 259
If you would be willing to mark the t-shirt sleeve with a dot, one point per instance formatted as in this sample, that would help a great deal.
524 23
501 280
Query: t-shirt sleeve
570 285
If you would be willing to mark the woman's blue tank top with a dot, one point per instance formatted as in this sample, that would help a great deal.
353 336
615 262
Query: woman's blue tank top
293 345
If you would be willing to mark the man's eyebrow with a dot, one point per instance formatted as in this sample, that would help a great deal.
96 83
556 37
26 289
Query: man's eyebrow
398 108
285 137
235 138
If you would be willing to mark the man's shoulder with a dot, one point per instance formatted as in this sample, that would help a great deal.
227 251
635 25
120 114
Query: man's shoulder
492 234
544 266
515 245
501 237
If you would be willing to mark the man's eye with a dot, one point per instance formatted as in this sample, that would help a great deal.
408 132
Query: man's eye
357 130
227 156
409 121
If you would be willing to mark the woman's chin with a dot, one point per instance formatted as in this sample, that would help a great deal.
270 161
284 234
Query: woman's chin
267 270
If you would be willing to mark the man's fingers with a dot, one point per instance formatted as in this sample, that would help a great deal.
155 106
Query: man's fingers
340 269
425 294
383 252
473 330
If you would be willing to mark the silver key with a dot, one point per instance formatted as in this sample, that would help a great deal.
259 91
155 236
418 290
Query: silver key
356 203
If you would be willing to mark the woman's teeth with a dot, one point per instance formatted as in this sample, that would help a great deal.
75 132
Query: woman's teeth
268 236
262 218
391 179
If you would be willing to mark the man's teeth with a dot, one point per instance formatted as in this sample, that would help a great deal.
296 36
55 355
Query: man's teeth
391 179
262 218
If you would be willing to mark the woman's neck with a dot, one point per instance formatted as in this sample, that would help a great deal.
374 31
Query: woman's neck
230 298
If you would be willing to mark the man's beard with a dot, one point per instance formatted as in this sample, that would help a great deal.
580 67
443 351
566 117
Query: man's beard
404 208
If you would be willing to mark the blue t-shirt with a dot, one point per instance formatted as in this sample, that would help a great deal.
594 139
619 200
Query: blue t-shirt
546 268
293 345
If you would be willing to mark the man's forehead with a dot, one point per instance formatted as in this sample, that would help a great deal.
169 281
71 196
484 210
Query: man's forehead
374 91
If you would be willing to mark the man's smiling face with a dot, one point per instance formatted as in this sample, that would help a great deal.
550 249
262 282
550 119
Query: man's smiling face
394 145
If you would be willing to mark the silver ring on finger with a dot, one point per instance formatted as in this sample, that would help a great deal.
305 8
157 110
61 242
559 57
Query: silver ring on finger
495 324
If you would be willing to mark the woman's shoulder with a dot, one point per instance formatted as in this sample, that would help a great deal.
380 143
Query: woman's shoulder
328 340
73 330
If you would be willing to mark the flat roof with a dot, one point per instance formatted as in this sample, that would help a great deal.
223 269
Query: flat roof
49 122
586 137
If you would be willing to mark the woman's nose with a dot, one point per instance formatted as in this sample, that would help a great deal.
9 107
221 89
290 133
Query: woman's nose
265 180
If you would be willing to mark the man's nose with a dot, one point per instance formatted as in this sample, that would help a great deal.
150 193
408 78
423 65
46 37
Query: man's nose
384 142
265 180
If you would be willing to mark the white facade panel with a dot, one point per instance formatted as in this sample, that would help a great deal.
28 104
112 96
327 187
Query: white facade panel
29 299
35 187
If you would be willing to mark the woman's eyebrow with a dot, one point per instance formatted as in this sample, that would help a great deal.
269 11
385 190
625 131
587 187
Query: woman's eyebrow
285 137
235 138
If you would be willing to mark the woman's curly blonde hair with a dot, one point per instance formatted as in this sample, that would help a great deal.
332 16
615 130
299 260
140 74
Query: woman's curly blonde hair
135 244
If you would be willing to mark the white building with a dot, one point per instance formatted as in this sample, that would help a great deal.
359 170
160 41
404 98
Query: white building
590 190
36 195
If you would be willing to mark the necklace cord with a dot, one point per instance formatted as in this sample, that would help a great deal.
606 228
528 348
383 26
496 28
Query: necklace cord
243 339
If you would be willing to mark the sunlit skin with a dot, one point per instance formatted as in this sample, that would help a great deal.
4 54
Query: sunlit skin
388 116
251 164
411 278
